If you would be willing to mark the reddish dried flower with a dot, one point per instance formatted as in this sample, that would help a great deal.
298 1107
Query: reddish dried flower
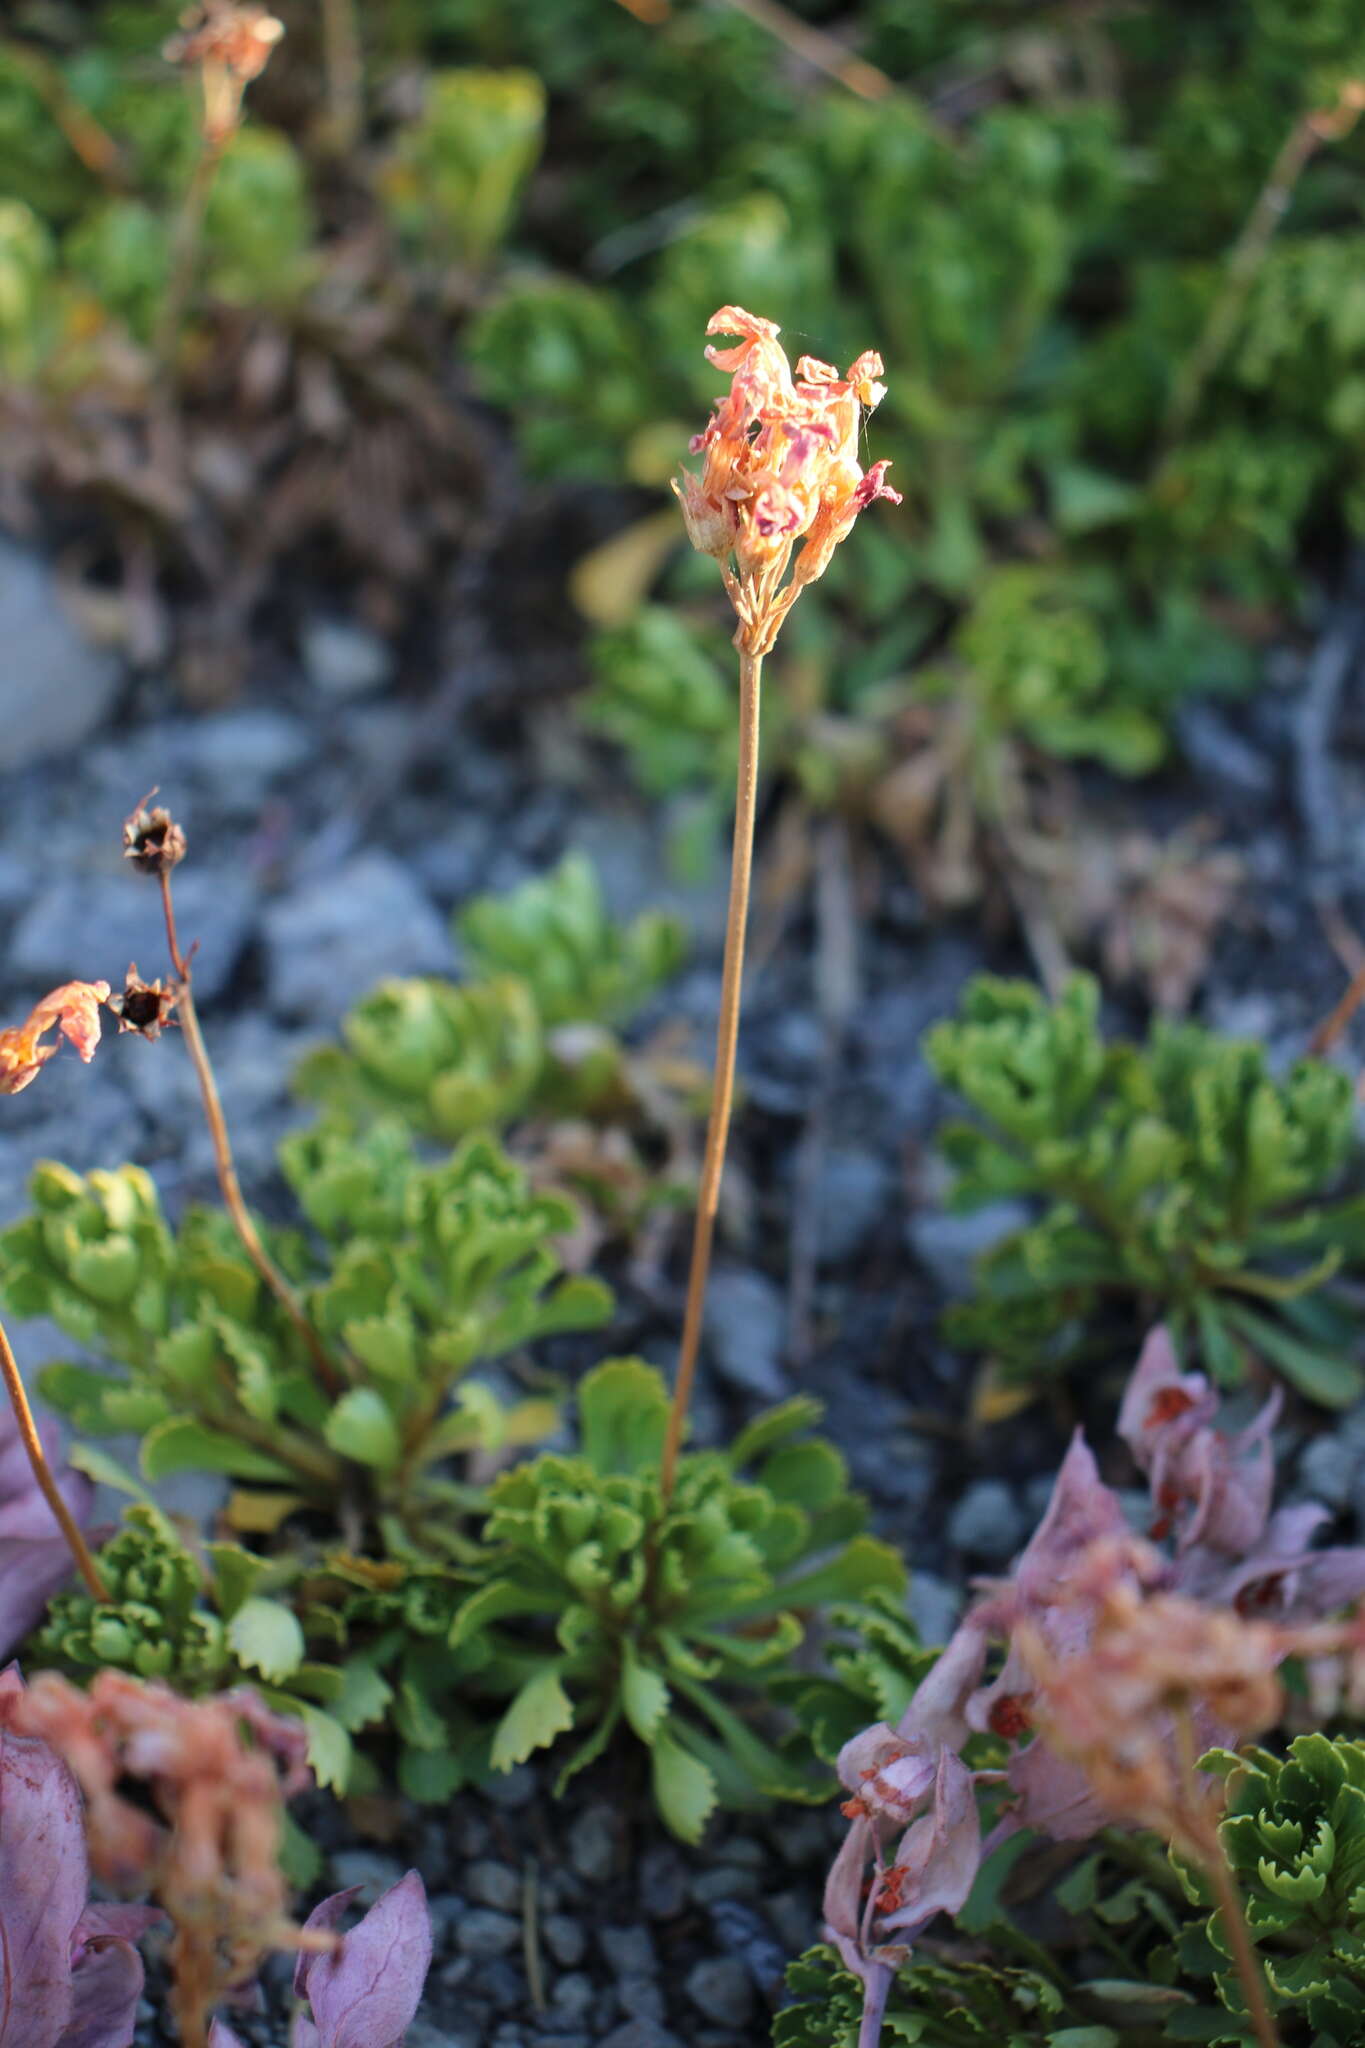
146 1007
216 1772
781 466
1212 1490
1164 1677
229 42
152 840
72 1011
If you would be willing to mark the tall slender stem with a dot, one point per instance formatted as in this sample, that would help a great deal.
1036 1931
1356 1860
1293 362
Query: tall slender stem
222 1153
42 1471
185 245
727 1040
345 74
1204 1839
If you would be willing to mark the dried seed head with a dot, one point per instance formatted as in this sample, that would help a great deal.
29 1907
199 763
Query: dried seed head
146 1007
152 840
240 38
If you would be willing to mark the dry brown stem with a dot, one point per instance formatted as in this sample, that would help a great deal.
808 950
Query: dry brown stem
727 1040
42 1471
222 1153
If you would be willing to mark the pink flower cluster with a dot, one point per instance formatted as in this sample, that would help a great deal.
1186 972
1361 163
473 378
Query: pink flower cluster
1105 1640
781 466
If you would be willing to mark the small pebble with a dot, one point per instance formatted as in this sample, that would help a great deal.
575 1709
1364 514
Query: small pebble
564 1938
484 1932
720 1987
368 1869
573 1995
640 2034
592 1844
629 1951
663 1883
987 1522
493 1884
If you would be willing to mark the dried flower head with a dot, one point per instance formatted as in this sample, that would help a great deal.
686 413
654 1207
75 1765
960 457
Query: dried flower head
72 1011
1163 1679
206 1841
146 1007
152 840
780 466
229 42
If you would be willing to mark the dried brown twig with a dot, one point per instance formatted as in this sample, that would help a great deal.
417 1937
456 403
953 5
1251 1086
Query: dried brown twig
156 845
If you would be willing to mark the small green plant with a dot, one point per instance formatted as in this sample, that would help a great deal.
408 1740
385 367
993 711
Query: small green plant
457 171
1181 1176
415 1273
947 2003
529 1036
1294 1835
555 933
660 1609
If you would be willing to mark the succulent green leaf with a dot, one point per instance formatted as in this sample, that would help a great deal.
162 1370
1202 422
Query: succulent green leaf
265 1636
361 1426
539 1714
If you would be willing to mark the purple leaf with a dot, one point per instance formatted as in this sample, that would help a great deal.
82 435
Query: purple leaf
107 1984
365 1993
34 1559
43 1881
222 2036
324 1917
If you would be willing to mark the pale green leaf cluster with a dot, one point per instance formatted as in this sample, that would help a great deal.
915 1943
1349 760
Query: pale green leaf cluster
601 1607
1182 1175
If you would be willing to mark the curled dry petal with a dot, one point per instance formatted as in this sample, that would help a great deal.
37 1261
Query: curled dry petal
1208 1489
73 1011
780 468
365 1993
937 1862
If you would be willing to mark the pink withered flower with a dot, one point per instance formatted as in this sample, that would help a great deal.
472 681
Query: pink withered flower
1208 1488
229 42
72 1011
1163 1679
205 1840
780 467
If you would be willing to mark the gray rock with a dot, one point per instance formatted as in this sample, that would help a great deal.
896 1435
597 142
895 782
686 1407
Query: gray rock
344 659
328 942
715 1887
512 1789
88 926
720 1987
629 1951
856 1188
745 1324
574 1995
949 1245
493 1884
1328 1468
423 2034
742 1931
640 1997
934 1606
565 1939
987 1522
373 1872
640 2033
240 754
57 688
592 1844
663 1882
484 1932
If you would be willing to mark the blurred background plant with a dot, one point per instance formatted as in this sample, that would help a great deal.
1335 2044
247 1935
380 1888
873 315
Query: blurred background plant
1121 407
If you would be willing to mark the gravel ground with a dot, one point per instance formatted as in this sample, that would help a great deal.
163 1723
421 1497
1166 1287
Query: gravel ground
335 822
